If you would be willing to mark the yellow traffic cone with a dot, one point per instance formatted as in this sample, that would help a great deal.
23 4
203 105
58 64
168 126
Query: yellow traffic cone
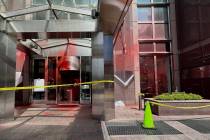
148 119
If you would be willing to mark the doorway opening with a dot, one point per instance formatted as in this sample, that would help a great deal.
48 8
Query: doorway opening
62 70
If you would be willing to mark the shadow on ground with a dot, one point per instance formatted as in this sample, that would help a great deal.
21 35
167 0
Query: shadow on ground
53 123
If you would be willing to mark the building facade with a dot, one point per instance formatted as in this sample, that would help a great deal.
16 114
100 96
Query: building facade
52 42
145 46
162 47
194 45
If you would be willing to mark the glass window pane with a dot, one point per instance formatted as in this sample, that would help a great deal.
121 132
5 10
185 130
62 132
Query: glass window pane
161 14
143 1
61 15
57 2
146 47
161 31
163 73
39 2
159 1
147 75
144 14
82 3
69 3
40 15
162 47
145 31
94 3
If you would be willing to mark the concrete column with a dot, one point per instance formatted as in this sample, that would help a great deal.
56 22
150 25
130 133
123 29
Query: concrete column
136 49
7 75
175 57
102 69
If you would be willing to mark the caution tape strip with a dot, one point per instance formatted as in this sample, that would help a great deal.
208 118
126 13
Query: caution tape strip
142 94
54 86
179 107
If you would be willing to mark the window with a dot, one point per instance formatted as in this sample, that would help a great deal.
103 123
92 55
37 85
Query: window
143 1
40 15
57 2
144 14
163 73
147 78
154 46
146 47
163 47
153 26
161 14
145 31
159 1
161 31
69 3
39 2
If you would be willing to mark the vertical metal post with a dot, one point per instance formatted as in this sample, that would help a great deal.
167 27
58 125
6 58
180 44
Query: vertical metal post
102 69
7 74
46 79
80 76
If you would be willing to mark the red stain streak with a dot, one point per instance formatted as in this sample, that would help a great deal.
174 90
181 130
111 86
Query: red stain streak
20 59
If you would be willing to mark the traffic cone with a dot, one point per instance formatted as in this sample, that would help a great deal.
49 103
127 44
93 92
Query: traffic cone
148 119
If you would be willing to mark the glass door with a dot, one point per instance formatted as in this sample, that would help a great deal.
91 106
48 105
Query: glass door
51 79
39 80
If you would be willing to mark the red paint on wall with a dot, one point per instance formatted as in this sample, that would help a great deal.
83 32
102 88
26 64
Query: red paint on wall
20 59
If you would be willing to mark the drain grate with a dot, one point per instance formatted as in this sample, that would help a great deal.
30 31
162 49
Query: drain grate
127 123
117 128
202 126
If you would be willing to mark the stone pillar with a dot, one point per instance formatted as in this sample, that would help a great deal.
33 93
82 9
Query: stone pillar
7 75
102 69
136 49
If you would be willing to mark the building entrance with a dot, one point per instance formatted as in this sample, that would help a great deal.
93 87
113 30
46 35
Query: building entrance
61 70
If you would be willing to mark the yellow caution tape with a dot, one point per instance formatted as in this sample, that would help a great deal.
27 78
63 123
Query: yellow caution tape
179 107
54 86
140 94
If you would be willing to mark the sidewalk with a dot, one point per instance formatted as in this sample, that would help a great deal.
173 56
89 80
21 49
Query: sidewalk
127 126
52 123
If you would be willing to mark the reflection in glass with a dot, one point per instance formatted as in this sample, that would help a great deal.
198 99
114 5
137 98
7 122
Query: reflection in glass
39 2
146 47
144 14
161 31
40 15
143 1
145 31
161 14
147 74
159 1
70 3
163 72
51 94
57 2
163 47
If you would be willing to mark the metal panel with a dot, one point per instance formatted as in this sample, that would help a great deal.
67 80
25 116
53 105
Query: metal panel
34 26
97 74
25 11
112 13
135 128
63 50
50 43
7 74
102 68
109 107
72 10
